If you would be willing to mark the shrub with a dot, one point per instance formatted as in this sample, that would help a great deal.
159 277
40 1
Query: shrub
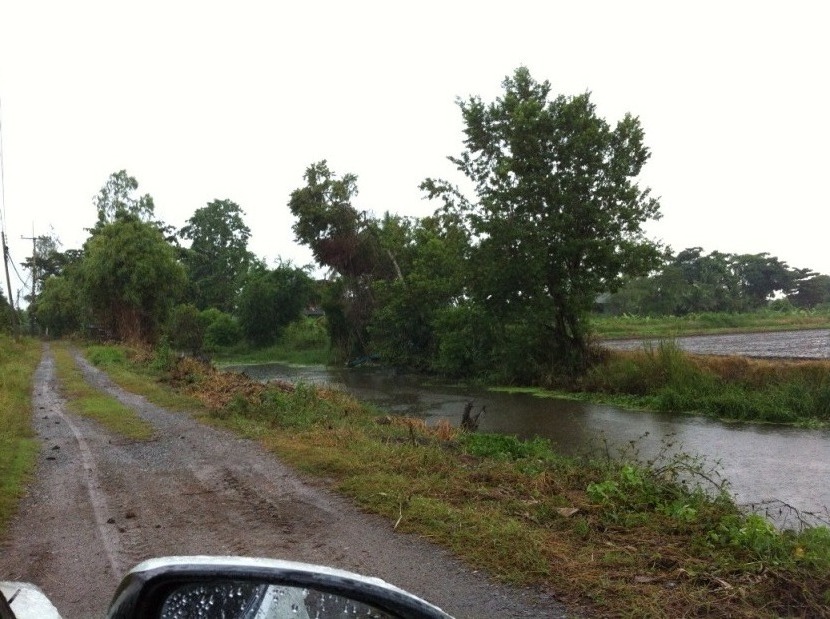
185 330
221 329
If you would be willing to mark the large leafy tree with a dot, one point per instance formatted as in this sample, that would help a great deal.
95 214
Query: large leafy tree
761 277
218 257
811 289
558 213
60 309
347 242
131 277
428 258
271 299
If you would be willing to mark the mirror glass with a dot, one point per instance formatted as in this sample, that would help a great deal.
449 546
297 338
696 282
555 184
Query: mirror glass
246 600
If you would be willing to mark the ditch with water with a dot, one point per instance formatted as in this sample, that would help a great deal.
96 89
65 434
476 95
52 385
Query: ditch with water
774 466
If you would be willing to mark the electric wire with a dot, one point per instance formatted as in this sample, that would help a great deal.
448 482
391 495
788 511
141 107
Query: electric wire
26 283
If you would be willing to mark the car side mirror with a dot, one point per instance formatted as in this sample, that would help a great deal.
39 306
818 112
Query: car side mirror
184 587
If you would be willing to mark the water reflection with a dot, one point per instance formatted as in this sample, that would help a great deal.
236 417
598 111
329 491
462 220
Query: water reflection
761 462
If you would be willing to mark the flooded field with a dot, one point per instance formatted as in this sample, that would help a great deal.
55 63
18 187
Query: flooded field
809 344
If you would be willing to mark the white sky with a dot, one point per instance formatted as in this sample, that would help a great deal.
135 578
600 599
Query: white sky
207 100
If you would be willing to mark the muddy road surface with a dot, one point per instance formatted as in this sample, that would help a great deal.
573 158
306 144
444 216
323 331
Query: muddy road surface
806 344
99 504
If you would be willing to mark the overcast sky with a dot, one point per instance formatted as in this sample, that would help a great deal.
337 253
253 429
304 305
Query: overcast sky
207 100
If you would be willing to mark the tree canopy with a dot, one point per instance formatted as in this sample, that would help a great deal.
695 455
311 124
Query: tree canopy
117 197
131 278
218 258
270 300
696 281
557 216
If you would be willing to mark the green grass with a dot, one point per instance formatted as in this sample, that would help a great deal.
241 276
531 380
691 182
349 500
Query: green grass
617 537
304 342
90 402
628 326
18 447
664 378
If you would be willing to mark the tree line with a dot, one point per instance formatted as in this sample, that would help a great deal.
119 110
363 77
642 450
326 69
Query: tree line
693 281
499 280
133 279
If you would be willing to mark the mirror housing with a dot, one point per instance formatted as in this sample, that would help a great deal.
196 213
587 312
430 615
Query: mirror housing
148 587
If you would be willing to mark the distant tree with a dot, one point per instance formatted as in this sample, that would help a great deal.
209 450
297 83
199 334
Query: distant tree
811 291
218 257
131 278
761 276
711 283
694 281
270 300
60 308
557 218
117 197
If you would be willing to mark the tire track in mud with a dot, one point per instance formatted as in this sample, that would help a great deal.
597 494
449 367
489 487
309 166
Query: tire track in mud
194 489
97 500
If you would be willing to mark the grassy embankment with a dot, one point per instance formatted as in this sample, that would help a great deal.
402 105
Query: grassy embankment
18 447
611 327
618 537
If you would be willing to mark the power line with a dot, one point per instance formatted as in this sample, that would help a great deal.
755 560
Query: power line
14 267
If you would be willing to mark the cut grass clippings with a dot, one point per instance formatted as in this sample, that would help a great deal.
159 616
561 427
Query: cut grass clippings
90 402
18 447
617 538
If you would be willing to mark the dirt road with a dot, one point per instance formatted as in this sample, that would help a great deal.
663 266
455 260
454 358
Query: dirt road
100 504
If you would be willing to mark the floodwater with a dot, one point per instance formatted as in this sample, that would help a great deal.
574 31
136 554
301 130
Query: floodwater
771 465
807 344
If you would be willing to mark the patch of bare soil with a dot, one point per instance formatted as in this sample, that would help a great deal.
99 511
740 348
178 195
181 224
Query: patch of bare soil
100 504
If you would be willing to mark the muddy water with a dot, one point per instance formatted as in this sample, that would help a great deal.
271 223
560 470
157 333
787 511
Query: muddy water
762 463
810 344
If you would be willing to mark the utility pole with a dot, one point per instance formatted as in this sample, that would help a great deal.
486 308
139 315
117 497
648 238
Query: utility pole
8 280
33 239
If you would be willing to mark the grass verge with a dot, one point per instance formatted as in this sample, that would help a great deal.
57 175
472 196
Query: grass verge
90 402
620 537
18 447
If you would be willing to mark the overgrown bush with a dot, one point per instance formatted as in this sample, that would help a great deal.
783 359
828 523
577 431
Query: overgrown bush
221 329
185 329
